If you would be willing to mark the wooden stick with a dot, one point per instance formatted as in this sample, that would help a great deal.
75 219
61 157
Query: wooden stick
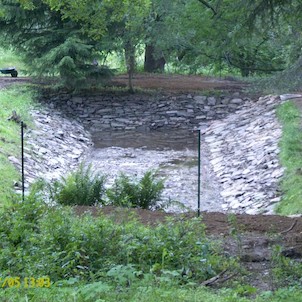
213 279
290 228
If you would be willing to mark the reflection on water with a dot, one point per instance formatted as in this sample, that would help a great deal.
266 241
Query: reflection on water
152 140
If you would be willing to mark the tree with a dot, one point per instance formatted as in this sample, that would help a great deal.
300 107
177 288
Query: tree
253 37
49 44
122 19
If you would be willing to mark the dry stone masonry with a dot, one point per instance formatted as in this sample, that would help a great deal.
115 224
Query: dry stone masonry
54 147
144 112
244 155
242 145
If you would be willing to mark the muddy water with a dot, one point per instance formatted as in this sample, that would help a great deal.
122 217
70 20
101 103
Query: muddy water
172 153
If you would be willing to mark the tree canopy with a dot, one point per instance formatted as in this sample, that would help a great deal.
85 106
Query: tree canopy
245 36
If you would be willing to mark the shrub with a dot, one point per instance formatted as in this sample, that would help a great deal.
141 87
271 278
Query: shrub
37 240
143 193
81 187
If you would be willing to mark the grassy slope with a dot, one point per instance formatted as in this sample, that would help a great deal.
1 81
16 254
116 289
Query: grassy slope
291 159
18 99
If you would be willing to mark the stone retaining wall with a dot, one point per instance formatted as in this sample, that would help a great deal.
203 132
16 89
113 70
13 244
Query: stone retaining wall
144 112
243 147
244 156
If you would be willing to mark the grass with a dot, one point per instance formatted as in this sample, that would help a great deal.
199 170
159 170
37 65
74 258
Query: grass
19 99
291 158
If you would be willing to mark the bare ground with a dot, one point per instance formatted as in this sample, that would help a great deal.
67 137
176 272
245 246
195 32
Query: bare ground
256 233
180 83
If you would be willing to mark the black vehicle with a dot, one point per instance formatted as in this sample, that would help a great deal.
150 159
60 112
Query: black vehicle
12 71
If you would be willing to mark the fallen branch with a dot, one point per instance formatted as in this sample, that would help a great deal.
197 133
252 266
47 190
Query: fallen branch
213 279
290 228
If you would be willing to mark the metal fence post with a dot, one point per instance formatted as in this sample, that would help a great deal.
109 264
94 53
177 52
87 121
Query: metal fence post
198 199
22 160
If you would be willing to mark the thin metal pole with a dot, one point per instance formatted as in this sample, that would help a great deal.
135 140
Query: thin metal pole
22 159
198 200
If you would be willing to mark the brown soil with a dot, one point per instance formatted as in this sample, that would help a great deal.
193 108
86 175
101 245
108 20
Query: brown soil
6 81
216 223
160 82
180 83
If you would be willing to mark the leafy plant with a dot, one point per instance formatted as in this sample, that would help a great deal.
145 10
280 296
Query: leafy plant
80 187
143 193
285 270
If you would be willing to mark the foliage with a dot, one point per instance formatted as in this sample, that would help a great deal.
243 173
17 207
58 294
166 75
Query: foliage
96 259
291 158
49 45
140 291
143 193
193 36
37 240
285 81
9 59
18 99
83 187
286 271
80 187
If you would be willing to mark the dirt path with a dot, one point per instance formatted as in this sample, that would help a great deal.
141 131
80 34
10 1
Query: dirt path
6 81
180 83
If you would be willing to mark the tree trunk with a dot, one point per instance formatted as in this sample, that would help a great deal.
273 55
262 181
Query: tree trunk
130 63
153 64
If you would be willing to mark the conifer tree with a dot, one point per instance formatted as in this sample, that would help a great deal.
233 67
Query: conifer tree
49 44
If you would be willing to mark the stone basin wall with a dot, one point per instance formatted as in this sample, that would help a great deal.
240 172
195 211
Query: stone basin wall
143 112
243 146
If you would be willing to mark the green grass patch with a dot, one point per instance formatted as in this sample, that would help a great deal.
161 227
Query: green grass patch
291 158
18 98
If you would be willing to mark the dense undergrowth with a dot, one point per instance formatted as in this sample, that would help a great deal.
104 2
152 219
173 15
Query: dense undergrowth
41 241
107 259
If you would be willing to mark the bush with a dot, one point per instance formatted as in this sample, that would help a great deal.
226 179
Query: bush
143 193
81 187
38 241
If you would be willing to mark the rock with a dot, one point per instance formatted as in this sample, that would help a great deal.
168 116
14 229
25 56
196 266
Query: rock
14 160
285 97
211 101
244 151
243 146
200 99
236 101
